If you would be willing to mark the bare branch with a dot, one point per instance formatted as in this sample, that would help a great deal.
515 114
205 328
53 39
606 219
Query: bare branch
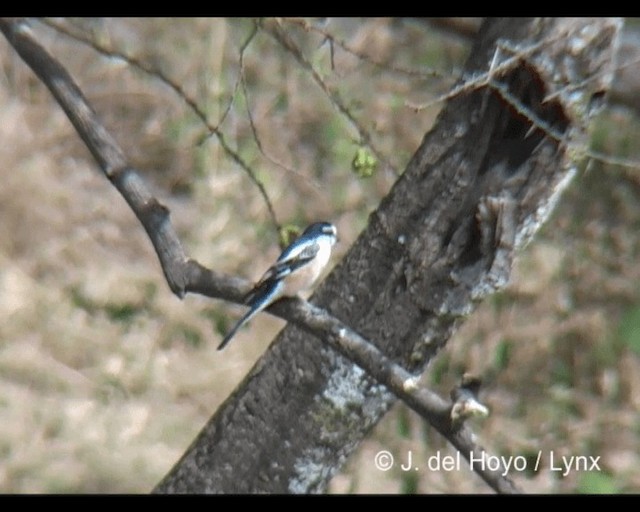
152 214
400 382
188 100
488 79
624 89
256 136
481 80
415 73
275 30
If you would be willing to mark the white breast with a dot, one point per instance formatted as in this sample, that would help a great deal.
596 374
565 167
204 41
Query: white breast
304 277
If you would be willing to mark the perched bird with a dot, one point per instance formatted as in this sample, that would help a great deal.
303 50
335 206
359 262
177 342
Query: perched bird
297 268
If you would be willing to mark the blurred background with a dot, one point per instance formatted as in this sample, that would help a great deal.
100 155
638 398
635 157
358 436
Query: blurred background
106 377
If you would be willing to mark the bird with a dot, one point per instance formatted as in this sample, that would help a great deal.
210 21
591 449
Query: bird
296 269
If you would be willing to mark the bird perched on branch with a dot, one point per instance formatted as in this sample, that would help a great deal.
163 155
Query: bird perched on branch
297 268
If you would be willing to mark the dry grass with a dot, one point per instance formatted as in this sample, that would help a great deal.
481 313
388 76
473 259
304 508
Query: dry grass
105 377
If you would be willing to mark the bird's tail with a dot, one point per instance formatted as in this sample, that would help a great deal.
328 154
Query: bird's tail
270 291
248 316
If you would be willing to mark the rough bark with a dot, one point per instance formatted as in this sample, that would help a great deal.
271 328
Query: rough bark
477 189
625 88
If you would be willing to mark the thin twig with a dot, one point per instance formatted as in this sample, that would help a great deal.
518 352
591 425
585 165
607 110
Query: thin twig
243 49
487 79
480 80
188 100
414 73
280 36
256 136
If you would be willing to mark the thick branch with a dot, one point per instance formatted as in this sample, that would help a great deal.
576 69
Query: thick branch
153 215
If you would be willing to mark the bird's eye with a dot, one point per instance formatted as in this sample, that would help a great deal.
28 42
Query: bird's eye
329 230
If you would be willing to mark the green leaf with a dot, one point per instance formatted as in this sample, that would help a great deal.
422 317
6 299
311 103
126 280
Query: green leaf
288 233
364 163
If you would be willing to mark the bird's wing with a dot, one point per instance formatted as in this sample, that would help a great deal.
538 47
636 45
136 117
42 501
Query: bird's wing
292 258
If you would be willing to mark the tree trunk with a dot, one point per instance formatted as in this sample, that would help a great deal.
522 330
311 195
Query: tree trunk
477 189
